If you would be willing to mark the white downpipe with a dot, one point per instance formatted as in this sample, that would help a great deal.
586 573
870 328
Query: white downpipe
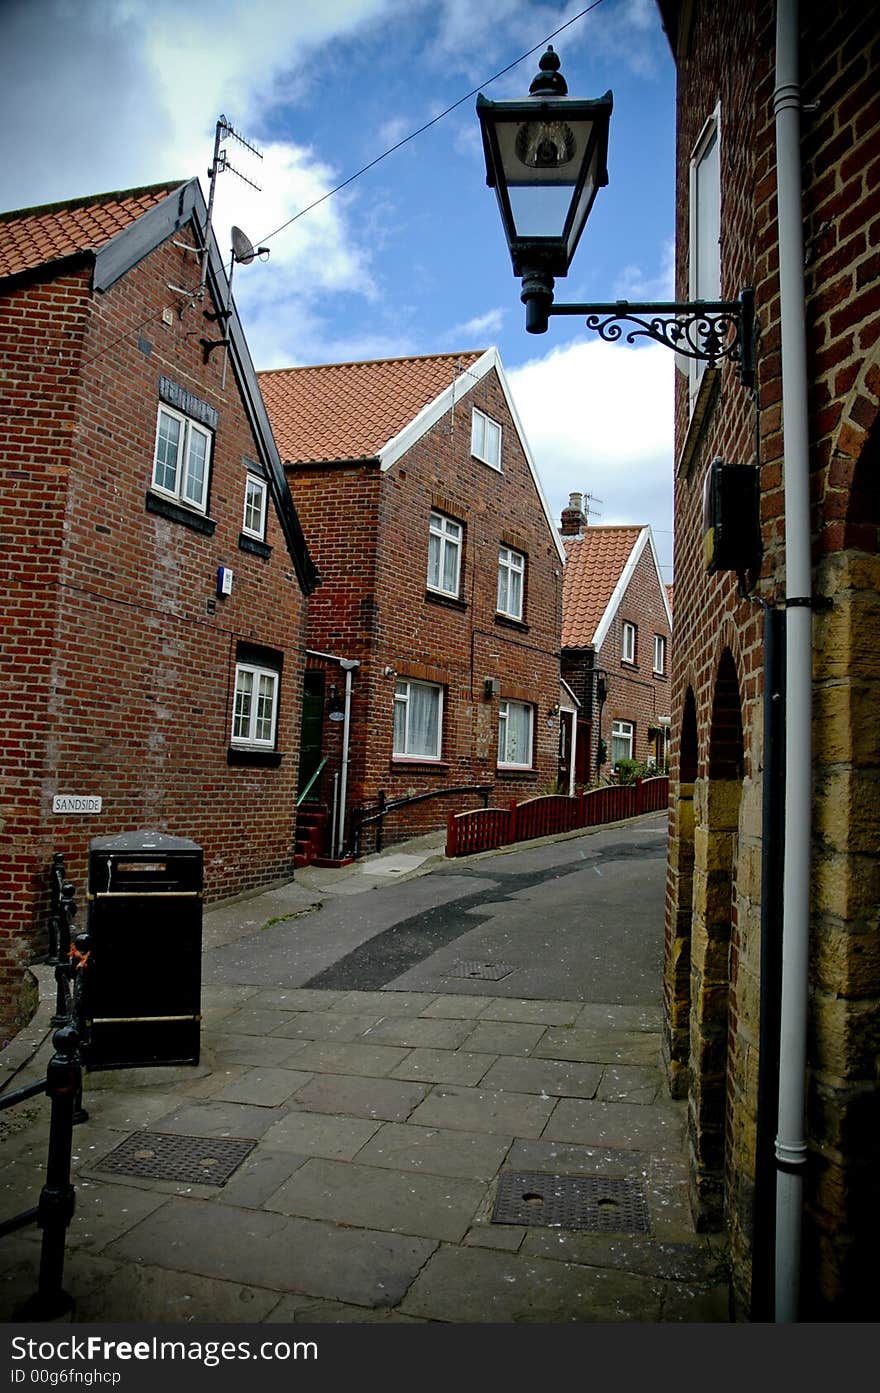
347 664
791 1147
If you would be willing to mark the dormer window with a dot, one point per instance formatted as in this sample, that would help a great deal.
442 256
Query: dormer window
485 439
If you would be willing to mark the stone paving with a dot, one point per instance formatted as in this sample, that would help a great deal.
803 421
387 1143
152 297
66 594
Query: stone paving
380 1123
377 1126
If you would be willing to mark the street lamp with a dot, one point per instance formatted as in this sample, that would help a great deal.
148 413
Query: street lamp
546 160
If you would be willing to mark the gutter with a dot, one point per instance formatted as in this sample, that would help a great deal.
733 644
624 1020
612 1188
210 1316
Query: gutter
791 1149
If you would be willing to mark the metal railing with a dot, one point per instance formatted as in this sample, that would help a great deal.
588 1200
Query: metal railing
379 811
63 1085
306 791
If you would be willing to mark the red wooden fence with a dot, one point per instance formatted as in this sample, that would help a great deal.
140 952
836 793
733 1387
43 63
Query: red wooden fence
484 829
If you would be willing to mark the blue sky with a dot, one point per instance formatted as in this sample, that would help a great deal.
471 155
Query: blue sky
409 258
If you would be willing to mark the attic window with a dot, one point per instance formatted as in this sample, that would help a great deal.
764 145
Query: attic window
182 459
485 439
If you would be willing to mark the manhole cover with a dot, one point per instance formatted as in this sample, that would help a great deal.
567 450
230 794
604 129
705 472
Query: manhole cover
161 1156
486 972
571 1202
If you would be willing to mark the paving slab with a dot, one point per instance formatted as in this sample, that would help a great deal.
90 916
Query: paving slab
215 1119
325 1025
540 1012
390 1100
272 1251
629 1083
484 1110
388 1003
645 1254
164 1297
264 1088
318 1134
374 1197
440 1151
504 1037
253 1049
601 1046
253 1020
415 1031
337 1057
259 1176
293 998
468 1285
458 1007
558 1078
444 1066
624 1126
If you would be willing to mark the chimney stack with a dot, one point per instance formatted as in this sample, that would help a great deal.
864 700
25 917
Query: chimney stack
573 519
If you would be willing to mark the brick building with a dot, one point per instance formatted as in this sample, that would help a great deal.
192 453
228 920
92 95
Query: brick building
773 953
441 587
616 637
137 462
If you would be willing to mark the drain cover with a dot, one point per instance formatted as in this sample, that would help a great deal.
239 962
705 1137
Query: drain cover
571 1202
487 972
162 1156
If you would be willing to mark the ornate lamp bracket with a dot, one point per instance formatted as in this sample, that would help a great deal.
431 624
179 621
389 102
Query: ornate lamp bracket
705 330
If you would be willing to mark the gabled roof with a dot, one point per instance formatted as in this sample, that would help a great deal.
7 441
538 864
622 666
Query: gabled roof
112 233
31 238
343 411
378 410
599 566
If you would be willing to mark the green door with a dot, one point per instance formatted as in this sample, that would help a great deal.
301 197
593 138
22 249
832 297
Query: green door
312 730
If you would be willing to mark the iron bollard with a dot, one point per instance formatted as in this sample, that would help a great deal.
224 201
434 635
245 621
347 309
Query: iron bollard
58 1197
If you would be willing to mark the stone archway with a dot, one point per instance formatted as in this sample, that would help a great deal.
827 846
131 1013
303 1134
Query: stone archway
680 881
843 1200
717 802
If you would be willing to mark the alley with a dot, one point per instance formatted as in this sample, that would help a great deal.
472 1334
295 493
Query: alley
432 1101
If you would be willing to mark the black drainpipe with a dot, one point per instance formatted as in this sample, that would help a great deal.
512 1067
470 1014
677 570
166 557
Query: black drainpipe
772 856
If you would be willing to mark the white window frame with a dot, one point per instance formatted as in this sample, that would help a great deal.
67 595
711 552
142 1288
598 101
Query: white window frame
660 655
511 580
449 535
628 642
402 692
622 730
704 266
254 735
189 430
506 762
255 488
485 439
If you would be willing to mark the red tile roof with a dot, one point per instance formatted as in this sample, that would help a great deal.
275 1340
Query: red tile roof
350 410
32 237
595 563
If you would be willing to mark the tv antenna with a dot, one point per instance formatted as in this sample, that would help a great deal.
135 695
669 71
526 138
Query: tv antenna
591 512
219 164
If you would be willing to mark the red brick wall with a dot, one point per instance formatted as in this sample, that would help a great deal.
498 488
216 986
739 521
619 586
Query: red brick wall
127 694
733 60
383 617
635 694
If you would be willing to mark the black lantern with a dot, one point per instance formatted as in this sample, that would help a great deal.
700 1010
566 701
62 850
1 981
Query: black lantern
546 159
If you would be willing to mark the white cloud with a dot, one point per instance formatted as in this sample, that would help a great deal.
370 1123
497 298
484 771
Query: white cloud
599 419
482 330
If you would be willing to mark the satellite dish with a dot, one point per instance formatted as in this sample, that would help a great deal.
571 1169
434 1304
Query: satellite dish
242 247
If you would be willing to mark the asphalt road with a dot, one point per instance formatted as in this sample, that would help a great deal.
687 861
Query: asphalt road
578 919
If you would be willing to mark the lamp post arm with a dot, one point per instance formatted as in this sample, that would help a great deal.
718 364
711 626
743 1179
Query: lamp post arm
705 330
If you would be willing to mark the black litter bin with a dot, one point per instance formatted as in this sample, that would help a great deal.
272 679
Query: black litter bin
141 987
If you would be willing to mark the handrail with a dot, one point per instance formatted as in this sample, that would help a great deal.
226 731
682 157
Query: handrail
378 812
308 786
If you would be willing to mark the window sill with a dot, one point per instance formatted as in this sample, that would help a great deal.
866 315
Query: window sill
507 771
508 622
433 597
241 756
175 512
424 766
704 402
632 667
254 546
